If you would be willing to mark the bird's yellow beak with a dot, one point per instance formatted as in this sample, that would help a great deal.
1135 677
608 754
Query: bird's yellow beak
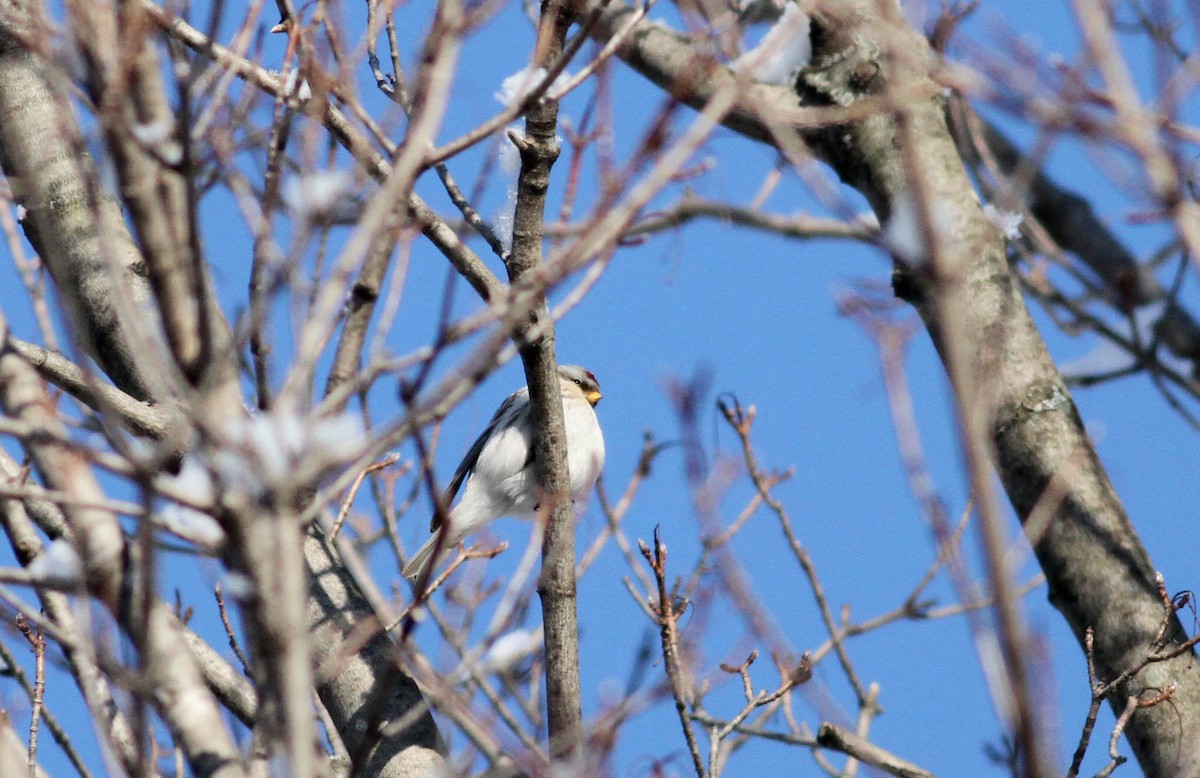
593 397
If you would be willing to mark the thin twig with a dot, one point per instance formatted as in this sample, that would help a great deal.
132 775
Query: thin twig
741 419
344 511
835 738
667 612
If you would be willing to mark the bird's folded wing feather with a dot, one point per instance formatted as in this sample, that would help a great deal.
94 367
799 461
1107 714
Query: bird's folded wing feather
471 457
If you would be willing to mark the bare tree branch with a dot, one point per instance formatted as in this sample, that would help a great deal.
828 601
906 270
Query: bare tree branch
556 585
834 737
1098 572
77 230
182 699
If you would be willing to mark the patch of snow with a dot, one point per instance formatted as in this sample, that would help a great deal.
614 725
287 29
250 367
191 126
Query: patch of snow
237 585
1008 222
784 49
58 564
267 448
316 193
192 525
902 234
509 649
514 88
1110 357
301 92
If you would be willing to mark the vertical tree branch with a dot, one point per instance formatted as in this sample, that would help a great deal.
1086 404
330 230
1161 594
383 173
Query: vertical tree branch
535 337
668 609
265 544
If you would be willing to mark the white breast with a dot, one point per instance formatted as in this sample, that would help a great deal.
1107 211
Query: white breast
585 446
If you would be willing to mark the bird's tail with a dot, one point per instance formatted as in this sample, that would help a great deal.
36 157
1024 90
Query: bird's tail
423 560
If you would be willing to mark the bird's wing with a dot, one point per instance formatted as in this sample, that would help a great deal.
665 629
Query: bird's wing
471 457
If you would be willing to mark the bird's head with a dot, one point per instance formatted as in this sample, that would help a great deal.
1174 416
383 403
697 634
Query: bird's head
582 378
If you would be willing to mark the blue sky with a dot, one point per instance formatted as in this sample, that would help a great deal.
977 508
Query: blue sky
759 316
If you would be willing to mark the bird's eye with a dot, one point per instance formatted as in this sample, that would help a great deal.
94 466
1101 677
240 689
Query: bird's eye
577 382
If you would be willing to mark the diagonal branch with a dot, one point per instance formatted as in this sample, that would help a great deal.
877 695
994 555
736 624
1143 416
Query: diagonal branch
79 233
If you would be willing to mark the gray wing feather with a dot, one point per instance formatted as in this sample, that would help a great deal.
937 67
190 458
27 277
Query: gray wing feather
469 460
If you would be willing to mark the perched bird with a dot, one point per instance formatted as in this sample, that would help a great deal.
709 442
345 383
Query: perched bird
499 466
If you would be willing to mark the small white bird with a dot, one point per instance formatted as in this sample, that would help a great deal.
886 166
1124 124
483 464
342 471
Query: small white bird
499 466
